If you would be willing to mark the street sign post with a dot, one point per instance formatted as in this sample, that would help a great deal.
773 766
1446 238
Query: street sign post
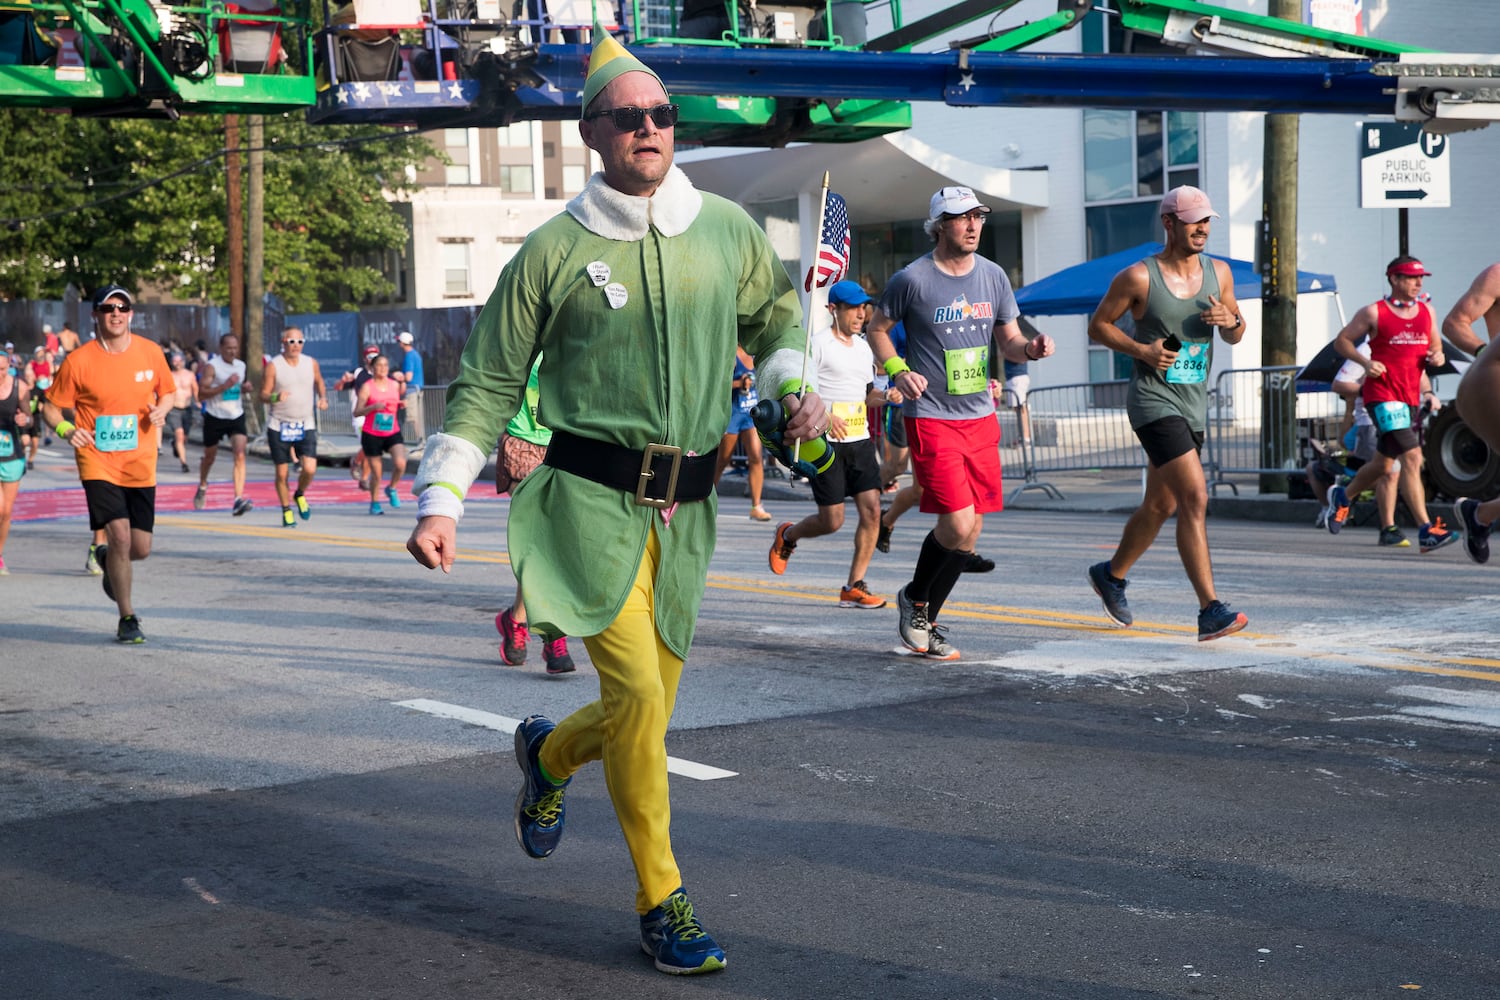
1401 166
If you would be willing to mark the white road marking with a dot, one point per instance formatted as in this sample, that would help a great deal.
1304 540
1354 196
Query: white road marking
200 892
505 724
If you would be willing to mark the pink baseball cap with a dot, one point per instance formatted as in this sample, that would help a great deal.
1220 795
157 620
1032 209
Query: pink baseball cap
1188 203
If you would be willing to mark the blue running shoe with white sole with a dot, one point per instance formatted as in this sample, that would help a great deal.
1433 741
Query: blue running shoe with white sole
1112 593
677 942
539 806
1217 621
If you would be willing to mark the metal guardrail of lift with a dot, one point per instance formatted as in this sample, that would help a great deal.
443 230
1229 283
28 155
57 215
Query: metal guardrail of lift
1245 400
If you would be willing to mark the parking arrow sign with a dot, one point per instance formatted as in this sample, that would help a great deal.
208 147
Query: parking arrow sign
1400 166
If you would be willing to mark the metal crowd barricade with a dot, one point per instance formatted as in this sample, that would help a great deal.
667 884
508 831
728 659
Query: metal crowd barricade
1242 403
1080 427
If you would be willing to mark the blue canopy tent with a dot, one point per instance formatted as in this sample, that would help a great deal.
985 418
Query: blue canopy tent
1077 290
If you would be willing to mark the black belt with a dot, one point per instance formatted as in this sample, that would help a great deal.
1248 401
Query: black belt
659 476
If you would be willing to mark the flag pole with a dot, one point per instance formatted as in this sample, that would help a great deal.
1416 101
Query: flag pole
812 297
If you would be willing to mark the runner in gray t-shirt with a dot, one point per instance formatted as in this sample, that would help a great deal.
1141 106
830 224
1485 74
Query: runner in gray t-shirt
954 304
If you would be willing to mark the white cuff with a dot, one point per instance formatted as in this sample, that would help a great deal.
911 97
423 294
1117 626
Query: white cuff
440 501
448 458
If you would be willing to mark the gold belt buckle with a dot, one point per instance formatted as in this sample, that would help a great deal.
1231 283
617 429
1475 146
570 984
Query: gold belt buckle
648 475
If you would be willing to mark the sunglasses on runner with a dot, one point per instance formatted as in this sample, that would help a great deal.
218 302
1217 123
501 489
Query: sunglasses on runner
109 309
291 342
629 119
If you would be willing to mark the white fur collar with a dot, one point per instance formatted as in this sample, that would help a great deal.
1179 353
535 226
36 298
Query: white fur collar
614 215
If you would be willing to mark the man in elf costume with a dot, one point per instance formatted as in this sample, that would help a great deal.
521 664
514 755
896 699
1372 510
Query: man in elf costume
635 296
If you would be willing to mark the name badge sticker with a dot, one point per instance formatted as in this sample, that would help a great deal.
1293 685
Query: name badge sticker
616 294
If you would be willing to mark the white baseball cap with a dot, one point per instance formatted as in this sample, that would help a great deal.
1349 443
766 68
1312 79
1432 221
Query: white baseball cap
404 337
954 201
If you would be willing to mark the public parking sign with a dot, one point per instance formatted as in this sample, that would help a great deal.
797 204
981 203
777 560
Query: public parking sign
1400 166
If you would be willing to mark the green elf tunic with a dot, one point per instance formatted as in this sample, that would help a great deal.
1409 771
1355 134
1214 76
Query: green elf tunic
636 305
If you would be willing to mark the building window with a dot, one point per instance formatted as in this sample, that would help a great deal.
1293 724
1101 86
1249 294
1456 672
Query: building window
455 258
574 177
456 173
516 178
518 134
571 137
1131 158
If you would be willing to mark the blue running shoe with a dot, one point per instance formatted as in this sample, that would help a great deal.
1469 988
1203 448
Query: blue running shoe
1338 509
375 507
539 806
1476 535
392 496
1217 621
1435 535
1112 593
674 938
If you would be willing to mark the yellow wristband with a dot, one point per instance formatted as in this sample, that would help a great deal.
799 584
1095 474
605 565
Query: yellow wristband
451 488
64 428
895 366
790 386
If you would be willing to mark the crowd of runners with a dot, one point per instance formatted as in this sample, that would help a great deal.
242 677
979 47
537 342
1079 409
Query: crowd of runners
600 459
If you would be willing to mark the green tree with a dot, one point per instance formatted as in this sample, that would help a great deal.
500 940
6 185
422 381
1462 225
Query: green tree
142 202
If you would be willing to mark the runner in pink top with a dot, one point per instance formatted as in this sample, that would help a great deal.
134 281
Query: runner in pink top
379 398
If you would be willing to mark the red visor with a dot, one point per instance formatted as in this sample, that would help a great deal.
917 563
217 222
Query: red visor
1410 269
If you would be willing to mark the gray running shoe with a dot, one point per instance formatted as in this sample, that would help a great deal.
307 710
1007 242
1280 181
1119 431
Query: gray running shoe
915 630
938 646
200 497
1392 537
129 631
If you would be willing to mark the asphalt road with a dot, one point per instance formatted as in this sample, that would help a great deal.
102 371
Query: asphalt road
302 785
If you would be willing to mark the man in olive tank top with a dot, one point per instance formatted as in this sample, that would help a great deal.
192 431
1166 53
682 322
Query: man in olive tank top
1176 298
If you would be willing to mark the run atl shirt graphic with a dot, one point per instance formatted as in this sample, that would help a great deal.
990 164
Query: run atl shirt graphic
961 311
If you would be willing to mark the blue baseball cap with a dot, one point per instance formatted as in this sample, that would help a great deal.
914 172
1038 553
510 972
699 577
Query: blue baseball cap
847 293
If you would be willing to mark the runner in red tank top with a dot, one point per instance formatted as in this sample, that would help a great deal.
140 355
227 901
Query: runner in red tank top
1404 341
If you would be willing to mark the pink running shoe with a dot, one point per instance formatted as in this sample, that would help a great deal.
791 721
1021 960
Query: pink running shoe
513 638
555 653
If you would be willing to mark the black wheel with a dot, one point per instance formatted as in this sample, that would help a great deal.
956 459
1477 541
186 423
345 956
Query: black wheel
1456 460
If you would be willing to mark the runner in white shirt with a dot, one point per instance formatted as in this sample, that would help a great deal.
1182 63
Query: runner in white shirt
846 376
220 383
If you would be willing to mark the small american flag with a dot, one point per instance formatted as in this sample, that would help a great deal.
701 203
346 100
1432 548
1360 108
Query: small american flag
833 246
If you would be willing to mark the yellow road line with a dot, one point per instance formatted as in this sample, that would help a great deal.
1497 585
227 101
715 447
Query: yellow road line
1037 617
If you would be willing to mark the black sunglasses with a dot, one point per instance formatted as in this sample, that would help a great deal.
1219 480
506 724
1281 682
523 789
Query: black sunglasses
629 119
109 309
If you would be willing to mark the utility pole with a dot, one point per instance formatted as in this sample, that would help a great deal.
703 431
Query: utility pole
255 284
234 228
1278 290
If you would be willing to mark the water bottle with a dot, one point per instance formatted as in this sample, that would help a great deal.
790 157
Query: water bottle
769 418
